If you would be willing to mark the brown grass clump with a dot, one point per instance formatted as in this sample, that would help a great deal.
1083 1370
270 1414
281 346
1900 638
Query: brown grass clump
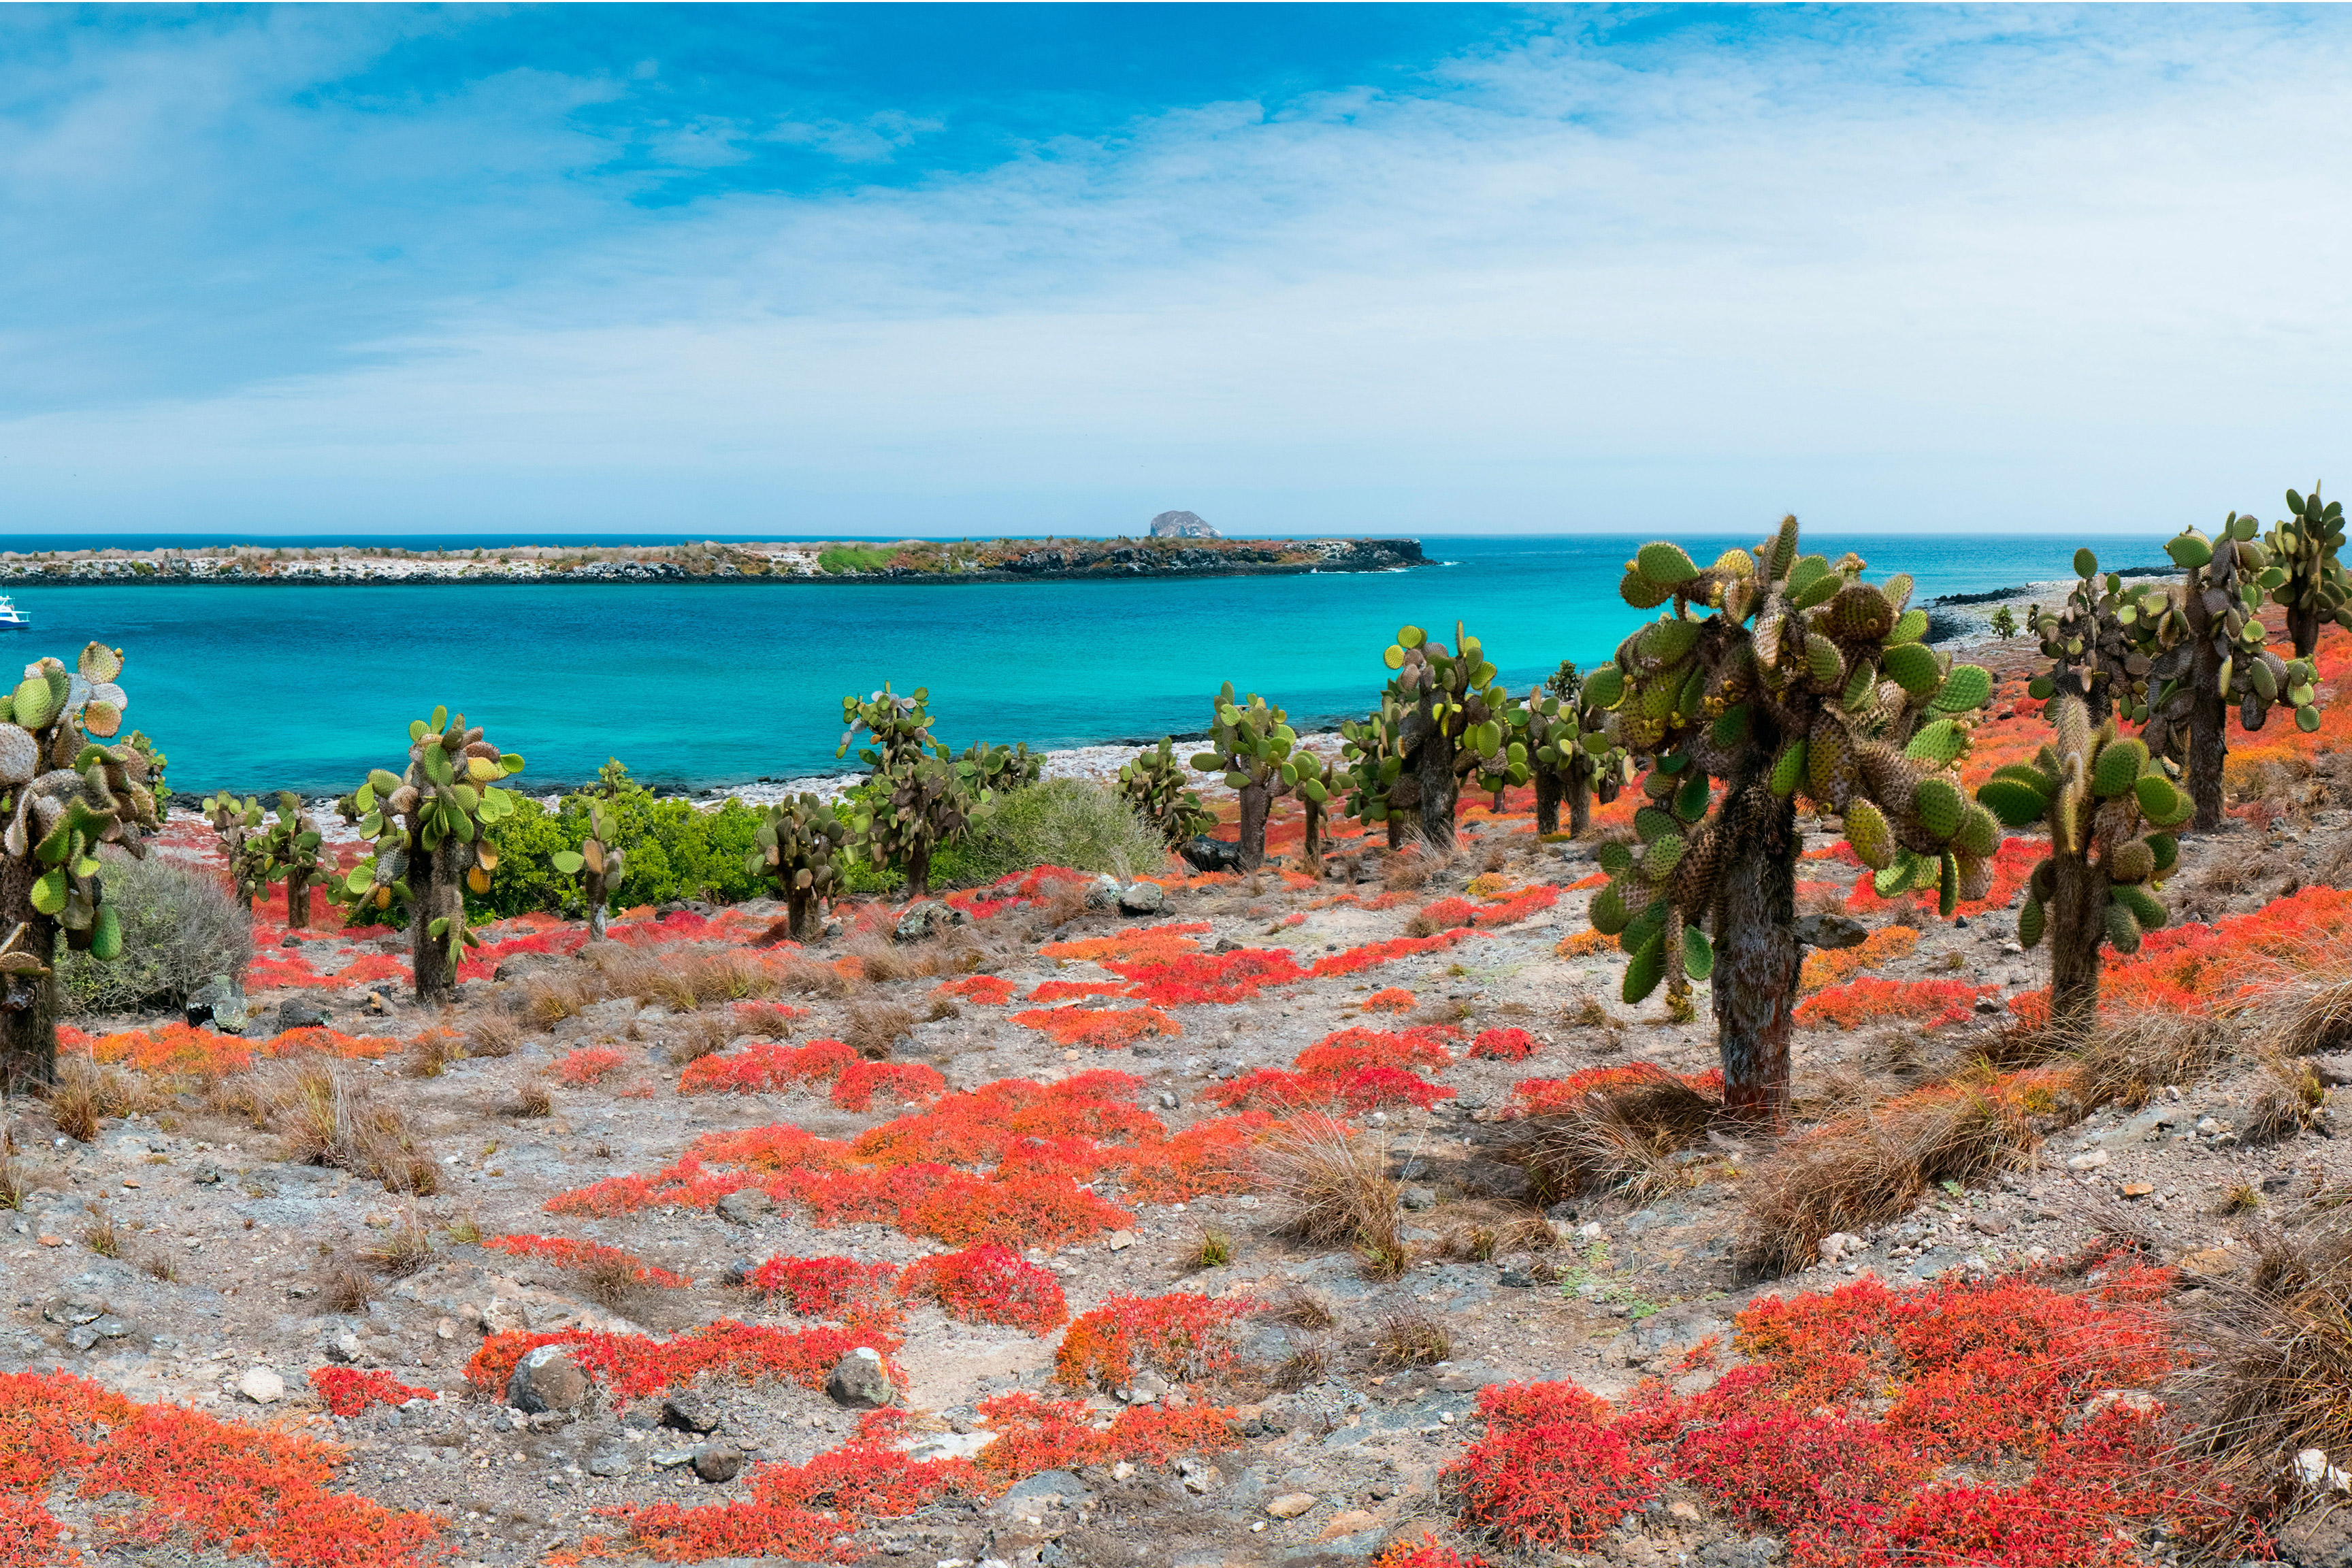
344 1285
1488 1231
85 1094
102 1236
874 1026
493 1034
549 999
1411 1339
704 1033
2243 1197
1404 871
1618 1139
803 976
400 1253
2130 1055
159 1265
1304 1366
1867 1169
884 962
16 1179
530 1102
941 1009
1331 1186
1214 1250
2287 1103
2306 1018
326 1116
1302 1309
431 1052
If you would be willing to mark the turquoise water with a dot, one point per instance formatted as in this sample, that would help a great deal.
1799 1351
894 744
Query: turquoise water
694 686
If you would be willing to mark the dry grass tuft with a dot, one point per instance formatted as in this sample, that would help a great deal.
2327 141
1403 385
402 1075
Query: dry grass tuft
1302 1309
876 1026
1331 1185
1411 1339
102 1236
1406 871
1488 1231
85 1094
2306 1018
1867 1169
344 1285
17 1177
431 1052
1304 1366
803 976
704 1033
494 1034
2243 1197
159 1265
1620 1139
531 1102
941 1009
325 1115
400 1253
2131 1056
2287 1103
1214 1250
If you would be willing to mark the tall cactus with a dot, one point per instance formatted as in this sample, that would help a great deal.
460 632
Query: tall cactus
1373 750
237 825
1570 751
291 845
1776 673
65 795
916 800
156 762
598 863
2309 581
900 727
2098 642
1156 785
2095 794
427 824
799 853
1249 742
1456 724
2212 636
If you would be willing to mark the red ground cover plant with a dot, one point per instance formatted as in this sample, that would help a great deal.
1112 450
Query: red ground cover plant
768 1017
1539 1096
633 1365
29 1534
181 1051
760 1068
1105 1026
1930 1003
988 1284
1176 937
564 1252
800 1511
1346 1093
347 1390
1345 1050
1373 955
899 1081
1423 1553
1183 1337
1036 1435
1507 1045
589 1065
838 1288
1396 999
1192 979
1076 990
989 990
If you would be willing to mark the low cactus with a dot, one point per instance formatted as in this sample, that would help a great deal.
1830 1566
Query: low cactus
1373 750
1457 724
291 846
2212 637
1159 788
238 826
2095 794
1312 779
1570 752
2309 581
427 824
2004 622
156 762
65 794
989 771
799 843
2098 642
1776 673
1251 742
598 863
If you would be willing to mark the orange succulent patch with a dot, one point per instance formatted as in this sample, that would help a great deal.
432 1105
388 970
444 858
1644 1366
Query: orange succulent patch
1830 966
1930 1003
860 1081
564 1252
347 1390
1396 999
1183 1337
1105 1026
589 1065
762 1067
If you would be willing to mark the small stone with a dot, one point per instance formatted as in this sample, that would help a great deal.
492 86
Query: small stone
261 1385
1290 1505
685 1412
613 1460
671 1458
1348 1523
1417 1198
1143 898
1687 1513
746 1205
2090 1161
718 1462
547 1379
860 1382
2138 1189
1990 1224
75 1310
1120 1240
299 1013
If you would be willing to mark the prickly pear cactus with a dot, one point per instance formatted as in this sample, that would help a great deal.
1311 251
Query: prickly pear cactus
1457 724
799 853
290 844
598 863
913 803
1312 779
1779 674
237 825
1159 788
156 762
2095 794
1249 742
900 727
2303 573
2213 653
1379 789
2098 642
430 849
1570 752
2004 622
65 795
990 771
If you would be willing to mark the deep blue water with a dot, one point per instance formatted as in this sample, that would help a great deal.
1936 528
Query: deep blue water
274 687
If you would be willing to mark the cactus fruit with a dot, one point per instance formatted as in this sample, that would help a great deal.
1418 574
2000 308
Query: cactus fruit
1458 723
598 863
2099 642
65 795
2091 789
428 824
1159 788
2212 640
1782 673
2303 573
1570 752
1249 742
799 843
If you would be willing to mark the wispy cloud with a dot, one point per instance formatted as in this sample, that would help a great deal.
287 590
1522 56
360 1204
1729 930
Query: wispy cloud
2010 268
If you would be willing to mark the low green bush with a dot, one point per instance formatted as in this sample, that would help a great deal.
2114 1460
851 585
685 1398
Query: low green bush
1076 822
674 851
855 557
180 927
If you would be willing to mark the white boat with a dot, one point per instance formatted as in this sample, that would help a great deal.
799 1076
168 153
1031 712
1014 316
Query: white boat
12 618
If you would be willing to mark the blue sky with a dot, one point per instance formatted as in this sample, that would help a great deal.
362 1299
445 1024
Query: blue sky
982 270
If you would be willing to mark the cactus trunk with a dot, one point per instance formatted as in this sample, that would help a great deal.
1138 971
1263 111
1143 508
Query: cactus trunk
298 900
801 916
1256 799
1433 756
2078 906
1310 843
1396 831
2302 625
1580 810
919 870
434 880
1757 960
597 898
28 1004
2209 737
1548 793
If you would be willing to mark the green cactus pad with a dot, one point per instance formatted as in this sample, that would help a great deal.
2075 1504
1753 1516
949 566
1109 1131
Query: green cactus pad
1664 564
1698 953
2159 802
2306 719
1938 807
1909 626
1947 887
1670 641
106 934
2123 931
1605 686
1650 823
1897 877
1978 835
1644 970
34 706
2015 803
2031 921
1859 613
1615 858
2133 861
1639 592
1967 687
2029 776
1866 830
2166 849
1664 854
2086 563
1822 657
1789 769
2147 911
1730 726
1938 743
1608 913
1912 666
2118 767
1820 591
2041 688
2189 550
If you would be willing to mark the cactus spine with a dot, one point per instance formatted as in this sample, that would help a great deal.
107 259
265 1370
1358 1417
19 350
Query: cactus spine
1456 723
427 824
1570 752
1158 787
597 863
65 794
1776 673
916 801
2309 581
2213 637
1249 742
291 848
2097 643
2095 794
799 852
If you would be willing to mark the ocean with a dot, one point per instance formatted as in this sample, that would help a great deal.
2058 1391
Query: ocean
704 686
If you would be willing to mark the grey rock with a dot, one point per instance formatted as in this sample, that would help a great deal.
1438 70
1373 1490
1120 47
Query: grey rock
1203 853
111 1327
1143 898
1046 1489
220 1002
671 1458
613 1460
300 1013
261 1386
746 1205
1182 525
1102 893
1830 931
686 1413
75 1310
717 1462
547 1379
926 918
860 1382
1419 1197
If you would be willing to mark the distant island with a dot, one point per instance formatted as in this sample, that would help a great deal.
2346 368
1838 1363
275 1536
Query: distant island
1179 544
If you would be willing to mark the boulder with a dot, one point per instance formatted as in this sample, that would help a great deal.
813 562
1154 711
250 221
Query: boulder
261 1385
547 1379
717 1462
1143 898
860 1382
746 1205
1102 893
686 1413
1203 853
300 1013
1182 525
926 918
219 1003
1831 931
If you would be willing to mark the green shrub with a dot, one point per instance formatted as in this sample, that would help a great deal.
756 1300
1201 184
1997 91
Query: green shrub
855 557
674 852
180 927
1076 822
